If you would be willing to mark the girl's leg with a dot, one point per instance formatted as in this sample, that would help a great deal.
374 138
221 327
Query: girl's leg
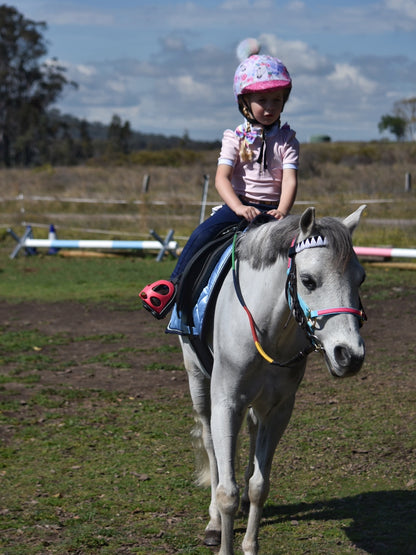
159 296
203 234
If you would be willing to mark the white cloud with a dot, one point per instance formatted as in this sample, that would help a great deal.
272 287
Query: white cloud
298 56
296 6
187 86
406 8
347 77
84 70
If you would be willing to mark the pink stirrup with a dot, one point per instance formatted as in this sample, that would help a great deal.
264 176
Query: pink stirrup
158 297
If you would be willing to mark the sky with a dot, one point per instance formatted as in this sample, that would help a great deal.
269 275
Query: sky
167 66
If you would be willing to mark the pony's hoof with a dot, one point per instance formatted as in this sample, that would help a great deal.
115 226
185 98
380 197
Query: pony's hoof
212 538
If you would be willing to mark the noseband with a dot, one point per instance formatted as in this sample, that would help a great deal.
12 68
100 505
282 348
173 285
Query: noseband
304 316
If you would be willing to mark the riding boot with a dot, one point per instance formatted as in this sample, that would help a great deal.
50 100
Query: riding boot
159 297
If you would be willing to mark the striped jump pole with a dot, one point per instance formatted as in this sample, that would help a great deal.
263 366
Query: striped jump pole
385 252
30 244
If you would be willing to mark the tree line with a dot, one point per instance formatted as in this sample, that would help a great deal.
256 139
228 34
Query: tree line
32 133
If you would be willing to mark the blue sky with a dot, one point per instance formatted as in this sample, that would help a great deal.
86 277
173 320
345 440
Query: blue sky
167 66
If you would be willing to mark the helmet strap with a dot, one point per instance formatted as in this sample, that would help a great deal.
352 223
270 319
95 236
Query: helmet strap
246 111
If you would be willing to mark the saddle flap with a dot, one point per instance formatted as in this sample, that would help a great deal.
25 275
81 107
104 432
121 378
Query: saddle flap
197 273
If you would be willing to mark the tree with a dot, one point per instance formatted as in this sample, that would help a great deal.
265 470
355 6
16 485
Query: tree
86 146
406 109
403 121
396 125
27 86
119 135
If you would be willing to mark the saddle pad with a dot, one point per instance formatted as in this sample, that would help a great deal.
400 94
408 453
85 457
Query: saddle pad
177 322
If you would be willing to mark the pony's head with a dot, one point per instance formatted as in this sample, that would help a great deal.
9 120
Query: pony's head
327 289
323 282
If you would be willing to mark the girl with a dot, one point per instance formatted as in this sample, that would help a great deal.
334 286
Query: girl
257 167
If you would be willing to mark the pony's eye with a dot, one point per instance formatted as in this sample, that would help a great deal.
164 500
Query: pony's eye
308 282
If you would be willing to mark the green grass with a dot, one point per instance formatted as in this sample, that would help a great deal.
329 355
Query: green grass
92 471
88 470
118 280
53 278
111 474
92 480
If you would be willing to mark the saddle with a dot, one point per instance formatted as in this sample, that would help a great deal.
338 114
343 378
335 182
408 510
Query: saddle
198 272
194 280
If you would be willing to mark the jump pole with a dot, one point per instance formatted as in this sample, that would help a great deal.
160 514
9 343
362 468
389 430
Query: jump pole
385 252
29 244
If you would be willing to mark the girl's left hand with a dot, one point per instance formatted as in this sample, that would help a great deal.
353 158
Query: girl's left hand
276 214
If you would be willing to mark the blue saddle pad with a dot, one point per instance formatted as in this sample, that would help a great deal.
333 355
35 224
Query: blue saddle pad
176 324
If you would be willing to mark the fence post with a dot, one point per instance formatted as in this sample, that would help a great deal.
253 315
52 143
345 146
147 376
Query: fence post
145 184
408 182
204 198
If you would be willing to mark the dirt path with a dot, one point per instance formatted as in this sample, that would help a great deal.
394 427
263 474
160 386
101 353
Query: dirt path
146 352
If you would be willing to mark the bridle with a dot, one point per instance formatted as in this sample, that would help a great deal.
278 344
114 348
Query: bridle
304 316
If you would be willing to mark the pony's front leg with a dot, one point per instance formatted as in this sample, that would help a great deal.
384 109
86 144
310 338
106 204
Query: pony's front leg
225 425
270 431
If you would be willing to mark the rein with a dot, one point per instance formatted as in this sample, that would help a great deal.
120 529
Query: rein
303 315
299 356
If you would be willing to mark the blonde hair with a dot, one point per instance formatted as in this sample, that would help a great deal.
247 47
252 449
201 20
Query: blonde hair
245 152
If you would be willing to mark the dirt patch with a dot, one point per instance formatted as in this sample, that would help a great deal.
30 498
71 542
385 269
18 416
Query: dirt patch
151 360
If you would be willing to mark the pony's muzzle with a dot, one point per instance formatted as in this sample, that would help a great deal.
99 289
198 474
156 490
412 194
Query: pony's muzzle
347 361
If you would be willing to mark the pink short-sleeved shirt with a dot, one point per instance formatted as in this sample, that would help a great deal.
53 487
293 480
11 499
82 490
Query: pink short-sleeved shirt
250 179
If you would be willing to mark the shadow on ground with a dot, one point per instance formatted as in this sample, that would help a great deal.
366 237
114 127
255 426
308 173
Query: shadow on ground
383 522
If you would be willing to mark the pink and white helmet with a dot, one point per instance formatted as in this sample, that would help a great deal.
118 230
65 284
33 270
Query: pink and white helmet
259 72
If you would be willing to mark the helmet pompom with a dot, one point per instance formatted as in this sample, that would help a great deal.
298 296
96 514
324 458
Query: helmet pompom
246 48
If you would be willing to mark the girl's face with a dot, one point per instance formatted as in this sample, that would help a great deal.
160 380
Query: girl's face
266 106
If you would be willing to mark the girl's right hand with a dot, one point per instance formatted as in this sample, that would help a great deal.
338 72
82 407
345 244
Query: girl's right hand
247 212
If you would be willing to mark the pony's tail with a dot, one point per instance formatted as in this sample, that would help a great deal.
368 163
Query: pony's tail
202 470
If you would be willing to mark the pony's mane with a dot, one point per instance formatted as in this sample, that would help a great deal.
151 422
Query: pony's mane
262 245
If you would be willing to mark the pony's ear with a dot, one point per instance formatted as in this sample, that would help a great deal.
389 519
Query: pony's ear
307 221
353 219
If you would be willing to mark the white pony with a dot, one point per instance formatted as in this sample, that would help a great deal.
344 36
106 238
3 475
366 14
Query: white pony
267 319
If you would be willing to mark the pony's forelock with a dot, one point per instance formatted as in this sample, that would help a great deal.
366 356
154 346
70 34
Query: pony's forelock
263 245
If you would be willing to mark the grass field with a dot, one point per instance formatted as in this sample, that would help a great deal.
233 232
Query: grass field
95 416
89 466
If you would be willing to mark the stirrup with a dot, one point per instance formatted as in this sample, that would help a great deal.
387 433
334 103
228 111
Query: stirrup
158 297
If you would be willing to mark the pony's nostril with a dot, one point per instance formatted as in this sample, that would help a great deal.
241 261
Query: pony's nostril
349 361
342 355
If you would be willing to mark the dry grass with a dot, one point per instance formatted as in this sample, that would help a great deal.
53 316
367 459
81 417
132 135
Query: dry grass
332 177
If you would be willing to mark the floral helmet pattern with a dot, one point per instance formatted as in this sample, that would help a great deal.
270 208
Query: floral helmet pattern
258 72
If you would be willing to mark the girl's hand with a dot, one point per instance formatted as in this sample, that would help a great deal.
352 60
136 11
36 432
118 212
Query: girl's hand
277 214
247 212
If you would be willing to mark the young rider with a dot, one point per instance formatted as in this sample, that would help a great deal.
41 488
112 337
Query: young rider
257 167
